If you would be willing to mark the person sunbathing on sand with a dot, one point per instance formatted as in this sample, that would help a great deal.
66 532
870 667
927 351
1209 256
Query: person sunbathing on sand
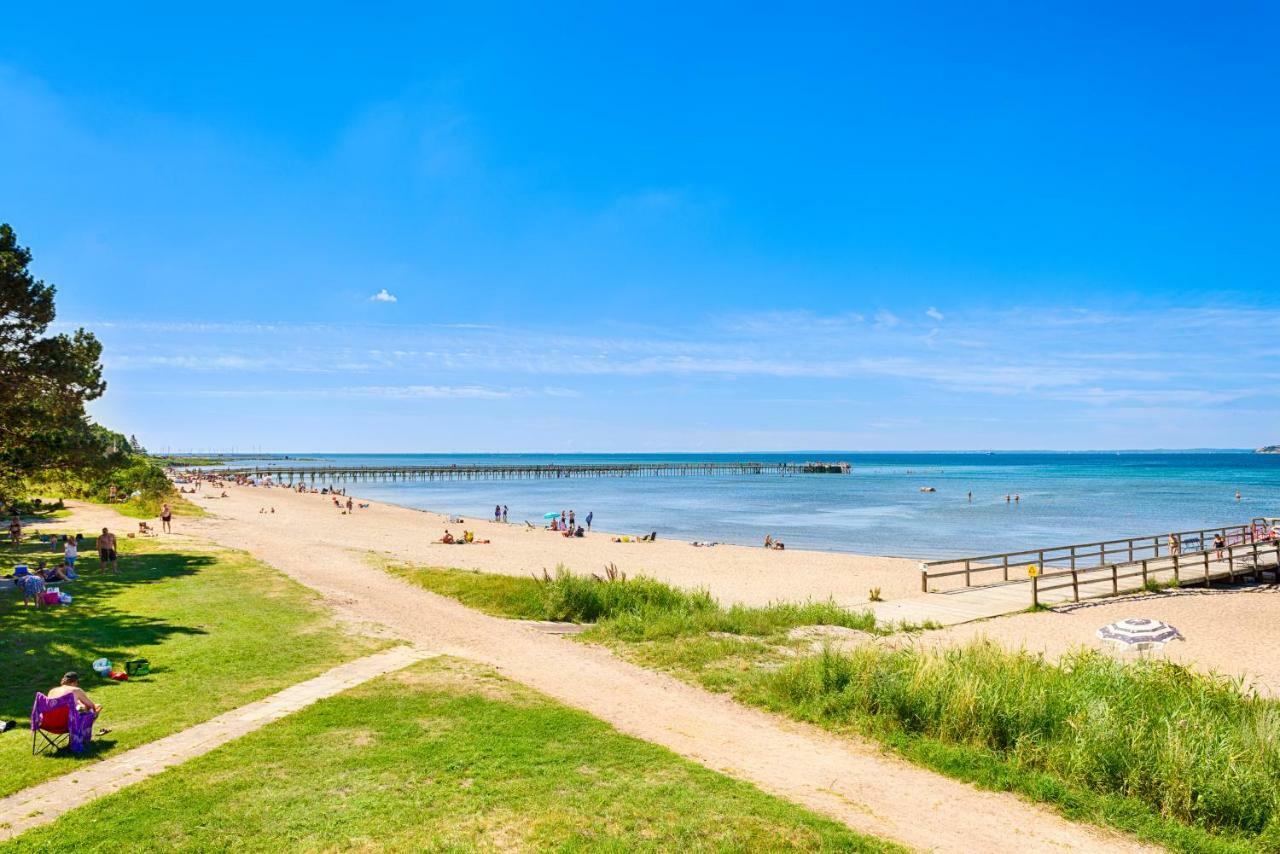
447 539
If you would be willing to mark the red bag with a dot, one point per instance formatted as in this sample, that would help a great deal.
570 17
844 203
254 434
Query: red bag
119 675
51 598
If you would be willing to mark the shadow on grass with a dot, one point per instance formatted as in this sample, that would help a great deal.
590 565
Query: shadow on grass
38 645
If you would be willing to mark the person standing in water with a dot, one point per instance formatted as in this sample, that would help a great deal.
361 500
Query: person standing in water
590 513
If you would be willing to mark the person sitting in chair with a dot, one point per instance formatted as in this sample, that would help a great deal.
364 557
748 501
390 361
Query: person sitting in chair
70 684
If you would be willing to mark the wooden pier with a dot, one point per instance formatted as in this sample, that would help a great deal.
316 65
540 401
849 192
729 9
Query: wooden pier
292 472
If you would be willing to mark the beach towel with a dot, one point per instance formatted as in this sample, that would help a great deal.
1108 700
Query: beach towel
60 722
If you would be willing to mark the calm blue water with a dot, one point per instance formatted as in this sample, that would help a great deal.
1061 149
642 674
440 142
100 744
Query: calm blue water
878 509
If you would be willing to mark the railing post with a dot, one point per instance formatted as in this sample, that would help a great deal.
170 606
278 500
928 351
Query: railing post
1073 557
1131 551
1035 591
924 578
1075 585
1006 567
1144 573
966 574
1115 579
1176 561
1257 573
1207 583
1231 563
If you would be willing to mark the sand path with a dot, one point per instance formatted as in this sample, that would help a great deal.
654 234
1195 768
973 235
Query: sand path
848 780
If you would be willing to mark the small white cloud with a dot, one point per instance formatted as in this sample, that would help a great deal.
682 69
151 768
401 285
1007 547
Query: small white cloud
886 319
383 296
934 313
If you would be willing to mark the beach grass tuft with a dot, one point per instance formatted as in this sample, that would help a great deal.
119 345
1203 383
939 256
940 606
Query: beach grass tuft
1189 747
637 608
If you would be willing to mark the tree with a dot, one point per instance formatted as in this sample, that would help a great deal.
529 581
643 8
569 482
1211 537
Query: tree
45 380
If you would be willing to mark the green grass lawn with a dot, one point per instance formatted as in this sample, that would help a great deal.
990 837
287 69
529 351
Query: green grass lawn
219 629
443 756
1172 756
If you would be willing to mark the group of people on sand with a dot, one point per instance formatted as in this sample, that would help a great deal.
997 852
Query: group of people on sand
467 538
568 525
771 543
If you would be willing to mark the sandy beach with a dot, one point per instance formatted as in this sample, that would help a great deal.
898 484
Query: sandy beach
1233 633
733 574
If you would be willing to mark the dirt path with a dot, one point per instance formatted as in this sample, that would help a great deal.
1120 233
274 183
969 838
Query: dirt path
852 782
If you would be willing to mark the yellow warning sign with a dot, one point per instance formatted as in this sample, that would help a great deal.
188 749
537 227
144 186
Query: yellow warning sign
1033 570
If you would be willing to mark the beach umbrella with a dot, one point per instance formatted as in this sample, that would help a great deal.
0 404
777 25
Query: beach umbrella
550 515
1139 633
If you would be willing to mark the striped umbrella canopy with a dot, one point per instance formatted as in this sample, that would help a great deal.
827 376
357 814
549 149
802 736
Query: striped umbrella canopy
1139 632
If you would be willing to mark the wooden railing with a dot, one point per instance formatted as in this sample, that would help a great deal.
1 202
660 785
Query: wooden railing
996 568
1201 567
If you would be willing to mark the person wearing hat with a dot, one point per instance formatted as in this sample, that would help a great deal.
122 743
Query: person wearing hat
71 685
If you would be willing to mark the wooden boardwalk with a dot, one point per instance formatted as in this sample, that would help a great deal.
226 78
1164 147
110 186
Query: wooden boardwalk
287 472
1232 564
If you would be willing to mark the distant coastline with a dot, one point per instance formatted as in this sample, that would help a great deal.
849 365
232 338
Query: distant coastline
1268 449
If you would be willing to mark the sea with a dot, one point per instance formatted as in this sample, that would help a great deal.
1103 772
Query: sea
878 508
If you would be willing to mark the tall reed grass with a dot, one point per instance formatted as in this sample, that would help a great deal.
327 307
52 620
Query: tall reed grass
645 609
1191 747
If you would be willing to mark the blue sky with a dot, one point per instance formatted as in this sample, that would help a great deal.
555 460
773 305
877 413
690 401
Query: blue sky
942 226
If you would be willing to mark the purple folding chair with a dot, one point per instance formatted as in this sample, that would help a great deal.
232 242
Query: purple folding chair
58 722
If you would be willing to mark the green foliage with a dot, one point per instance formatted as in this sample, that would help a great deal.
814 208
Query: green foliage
220 629
628 608
45 380
1185 746
443 756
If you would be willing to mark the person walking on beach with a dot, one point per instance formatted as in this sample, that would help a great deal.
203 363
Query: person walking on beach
166 518
1219 542
497 512
589 515
572 523
563 519
107 551
1175 544
504 514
